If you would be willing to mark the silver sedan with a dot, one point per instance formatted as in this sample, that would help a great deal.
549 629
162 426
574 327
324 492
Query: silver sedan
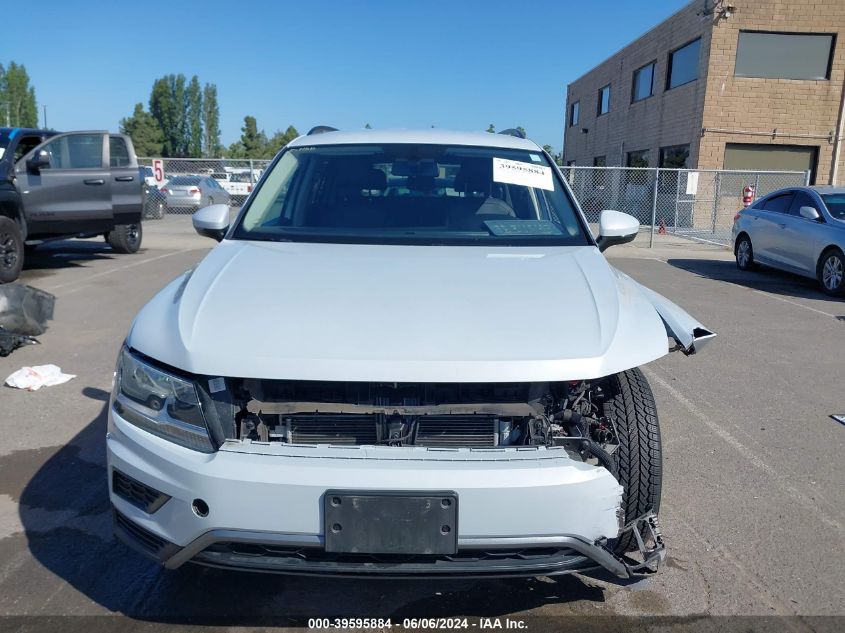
186 194
800 230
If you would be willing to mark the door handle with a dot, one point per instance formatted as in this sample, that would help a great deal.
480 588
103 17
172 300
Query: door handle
125 178
95 181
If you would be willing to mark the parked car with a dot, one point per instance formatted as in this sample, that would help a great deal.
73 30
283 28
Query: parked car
189 193
59 185
433 379
237 182
800 230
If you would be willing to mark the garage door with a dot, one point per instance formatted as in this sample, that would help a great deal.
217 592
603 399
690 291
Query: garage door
771 158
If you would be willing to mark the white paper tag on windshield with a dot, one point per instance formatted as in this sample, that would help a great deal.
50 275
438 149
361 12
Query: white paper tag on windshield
515 172
216 384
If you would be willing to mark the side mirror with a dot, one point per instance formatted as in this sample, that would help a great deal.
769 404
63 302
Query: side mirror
37 161
212 221
811 213
616 227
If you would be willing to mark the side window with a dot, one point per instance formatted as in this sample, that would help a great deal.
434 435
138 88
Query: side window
76 151
26 144
118 152
779 204
802 199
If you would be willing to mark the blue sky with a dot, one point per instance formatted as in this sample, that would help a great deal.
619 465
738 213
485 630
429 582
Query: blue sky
399 63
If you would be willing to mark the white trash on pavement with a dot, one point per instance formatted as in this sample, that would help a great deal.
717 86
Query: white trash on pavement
33 378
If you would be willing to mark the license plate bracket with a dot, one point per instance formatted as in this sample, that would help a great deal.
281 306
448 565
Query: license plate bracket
364 522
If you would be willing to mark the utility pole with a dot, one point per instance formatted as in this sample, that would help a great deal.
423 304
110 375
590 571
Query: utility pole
45 117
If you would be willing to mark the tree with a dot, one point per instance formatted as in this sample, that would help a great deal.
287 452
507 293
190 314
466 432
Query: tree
144 131
278 141
18 107
252 142
367 126
194 118
491 128
211 121
168 105
550 150
521 130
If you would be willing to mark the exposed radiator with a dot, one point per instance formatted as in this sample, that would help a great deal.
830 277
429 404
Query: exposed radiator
333 429
455 430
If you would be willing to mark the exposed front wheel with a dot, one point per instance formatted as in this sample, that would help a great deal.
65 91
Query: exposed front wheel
125 238
744 254
11 250
630 407
831 272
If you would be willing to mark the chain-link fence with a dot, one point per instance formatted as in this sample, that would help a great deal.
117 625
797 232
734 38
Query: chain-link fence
184 184
698 204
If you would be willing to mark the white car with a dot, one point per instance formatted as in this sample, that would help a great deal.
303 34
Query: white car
435 378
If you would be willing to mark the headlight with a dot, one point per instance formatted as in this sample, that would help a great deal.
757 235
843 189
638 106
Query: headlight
160 403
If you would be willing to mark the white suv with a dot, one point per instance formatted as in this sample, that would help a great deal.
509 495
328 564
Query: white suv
406 357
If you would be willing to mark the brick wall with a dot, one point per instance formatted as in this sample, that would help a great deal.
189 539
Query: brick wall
716 99
761 105
666 118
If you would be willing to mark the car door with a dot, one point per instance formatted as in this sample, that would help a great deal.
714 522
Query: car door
71 194
799 239
767 225
126 198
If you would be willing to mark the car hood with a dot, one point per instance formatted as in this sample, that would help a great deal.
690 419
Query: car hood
349 312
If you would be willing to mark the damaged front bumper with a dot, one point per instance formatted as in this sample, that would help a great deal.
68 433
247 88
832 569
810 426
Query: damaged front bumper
522 511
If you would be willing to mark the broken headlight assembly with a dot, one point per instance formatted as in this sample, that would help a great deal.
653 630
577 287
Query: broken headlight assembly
160 403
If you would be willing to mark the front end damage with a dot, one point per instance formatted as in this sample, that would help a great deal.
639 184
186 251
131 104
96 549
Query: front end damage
530 466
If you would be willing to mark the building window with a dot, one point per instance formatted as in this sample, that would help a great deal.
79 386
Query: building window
603 106
783 55
600 161
674 157
638 159
574 113
643 83
765 157
683 65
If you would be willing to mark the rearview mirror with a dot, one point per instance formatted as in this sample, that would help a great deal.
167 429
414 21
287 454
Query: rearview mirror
38 161
616 227
212 221
811 213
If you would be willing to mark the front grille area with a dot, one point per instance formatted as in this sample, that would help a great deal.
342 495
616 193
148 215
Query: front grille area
455 430
333 429
312 560
139 495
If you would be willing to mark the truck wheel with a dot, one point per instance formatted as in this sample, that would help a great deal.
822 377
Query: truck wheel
630 407
11 250
125 238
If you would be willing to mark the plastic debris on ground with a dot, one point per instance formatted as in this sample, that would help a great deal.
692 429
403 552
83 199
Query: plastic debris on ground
24 312
33 378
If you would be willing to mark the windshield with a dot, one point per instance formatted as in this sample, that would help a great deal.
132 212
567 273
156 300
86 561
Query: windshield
420 194
835 203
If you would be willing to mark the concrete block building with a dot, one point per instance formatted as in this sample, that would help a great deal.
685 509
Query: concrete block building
721 84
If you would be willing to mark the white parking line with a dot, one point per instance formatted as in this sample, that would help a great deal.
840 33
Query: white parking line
746 452
88 278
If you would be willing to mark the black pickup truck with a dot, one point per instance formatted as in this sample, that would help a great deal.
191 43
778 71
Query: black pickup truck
57 185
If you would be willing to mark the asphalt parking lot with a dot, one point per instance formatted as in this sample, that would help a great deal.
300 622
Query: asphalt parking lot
752 510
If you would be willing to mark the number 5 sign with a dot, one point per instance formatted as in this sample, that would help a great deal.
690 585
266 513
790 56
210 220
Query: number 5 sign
158 171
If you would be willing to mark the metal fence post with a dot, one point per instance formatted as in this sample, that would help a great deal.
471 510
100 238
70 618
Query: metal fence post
251 173
807 178
716 201
678 196
654 207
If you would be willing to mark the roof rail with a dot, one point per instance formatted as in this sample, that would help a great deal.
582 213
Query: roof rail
321 129
513 132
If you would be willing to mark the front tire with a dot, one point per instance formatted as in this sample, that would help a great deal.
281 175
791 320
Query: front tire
125 238
630 406
744 253
831 272
11 250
